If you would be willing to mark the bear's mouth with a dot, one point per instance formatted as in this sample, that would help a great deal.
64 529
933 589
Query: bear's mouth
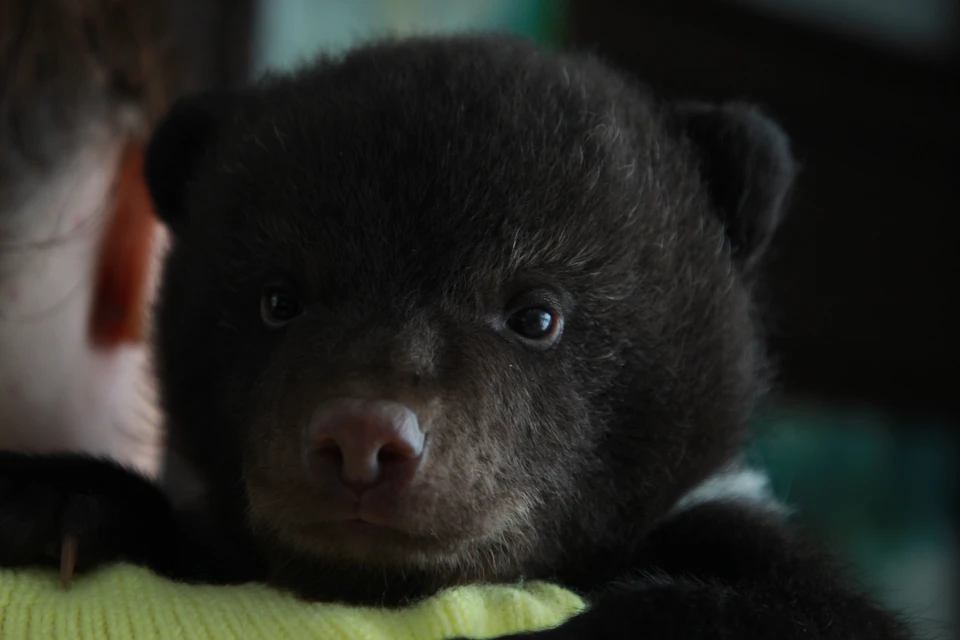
420 528
382 525
360 541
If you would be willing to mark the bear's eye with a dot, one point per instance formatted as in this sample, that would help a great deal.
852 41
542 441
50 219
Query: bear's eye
278 306
534 323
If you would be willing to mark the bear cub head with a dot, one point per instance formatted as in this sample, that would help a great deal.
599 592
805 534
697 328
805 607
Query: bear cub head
458 309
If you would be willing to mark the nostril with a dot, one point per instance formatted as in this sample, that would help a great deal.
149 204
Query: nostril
393 452
329 449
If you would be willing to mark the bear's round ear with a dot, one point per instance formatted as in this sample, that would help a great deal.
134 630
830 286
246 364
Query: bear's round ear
177 148
748 168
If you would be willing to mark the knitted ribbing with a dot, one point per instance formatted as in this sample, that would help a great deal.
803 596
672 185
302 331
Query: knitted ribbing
127 602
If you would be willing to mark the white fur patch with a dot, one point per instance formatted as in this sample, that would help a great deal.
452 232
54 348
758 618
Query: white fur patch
740 485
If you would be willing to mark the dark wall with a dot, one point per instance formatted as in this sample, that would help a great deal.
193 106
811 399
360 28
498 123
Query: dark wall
863 279
214 38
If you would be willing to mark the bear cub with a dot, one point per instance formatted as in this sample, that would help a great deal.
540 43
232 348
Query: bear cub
459 309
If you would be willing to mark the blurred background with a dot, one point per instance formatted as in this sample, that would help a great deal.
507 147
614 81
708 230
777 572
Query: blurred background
861 433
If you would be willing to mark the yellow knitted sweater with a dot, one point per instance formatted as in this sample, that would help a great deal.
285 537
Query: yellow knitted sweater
127 602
